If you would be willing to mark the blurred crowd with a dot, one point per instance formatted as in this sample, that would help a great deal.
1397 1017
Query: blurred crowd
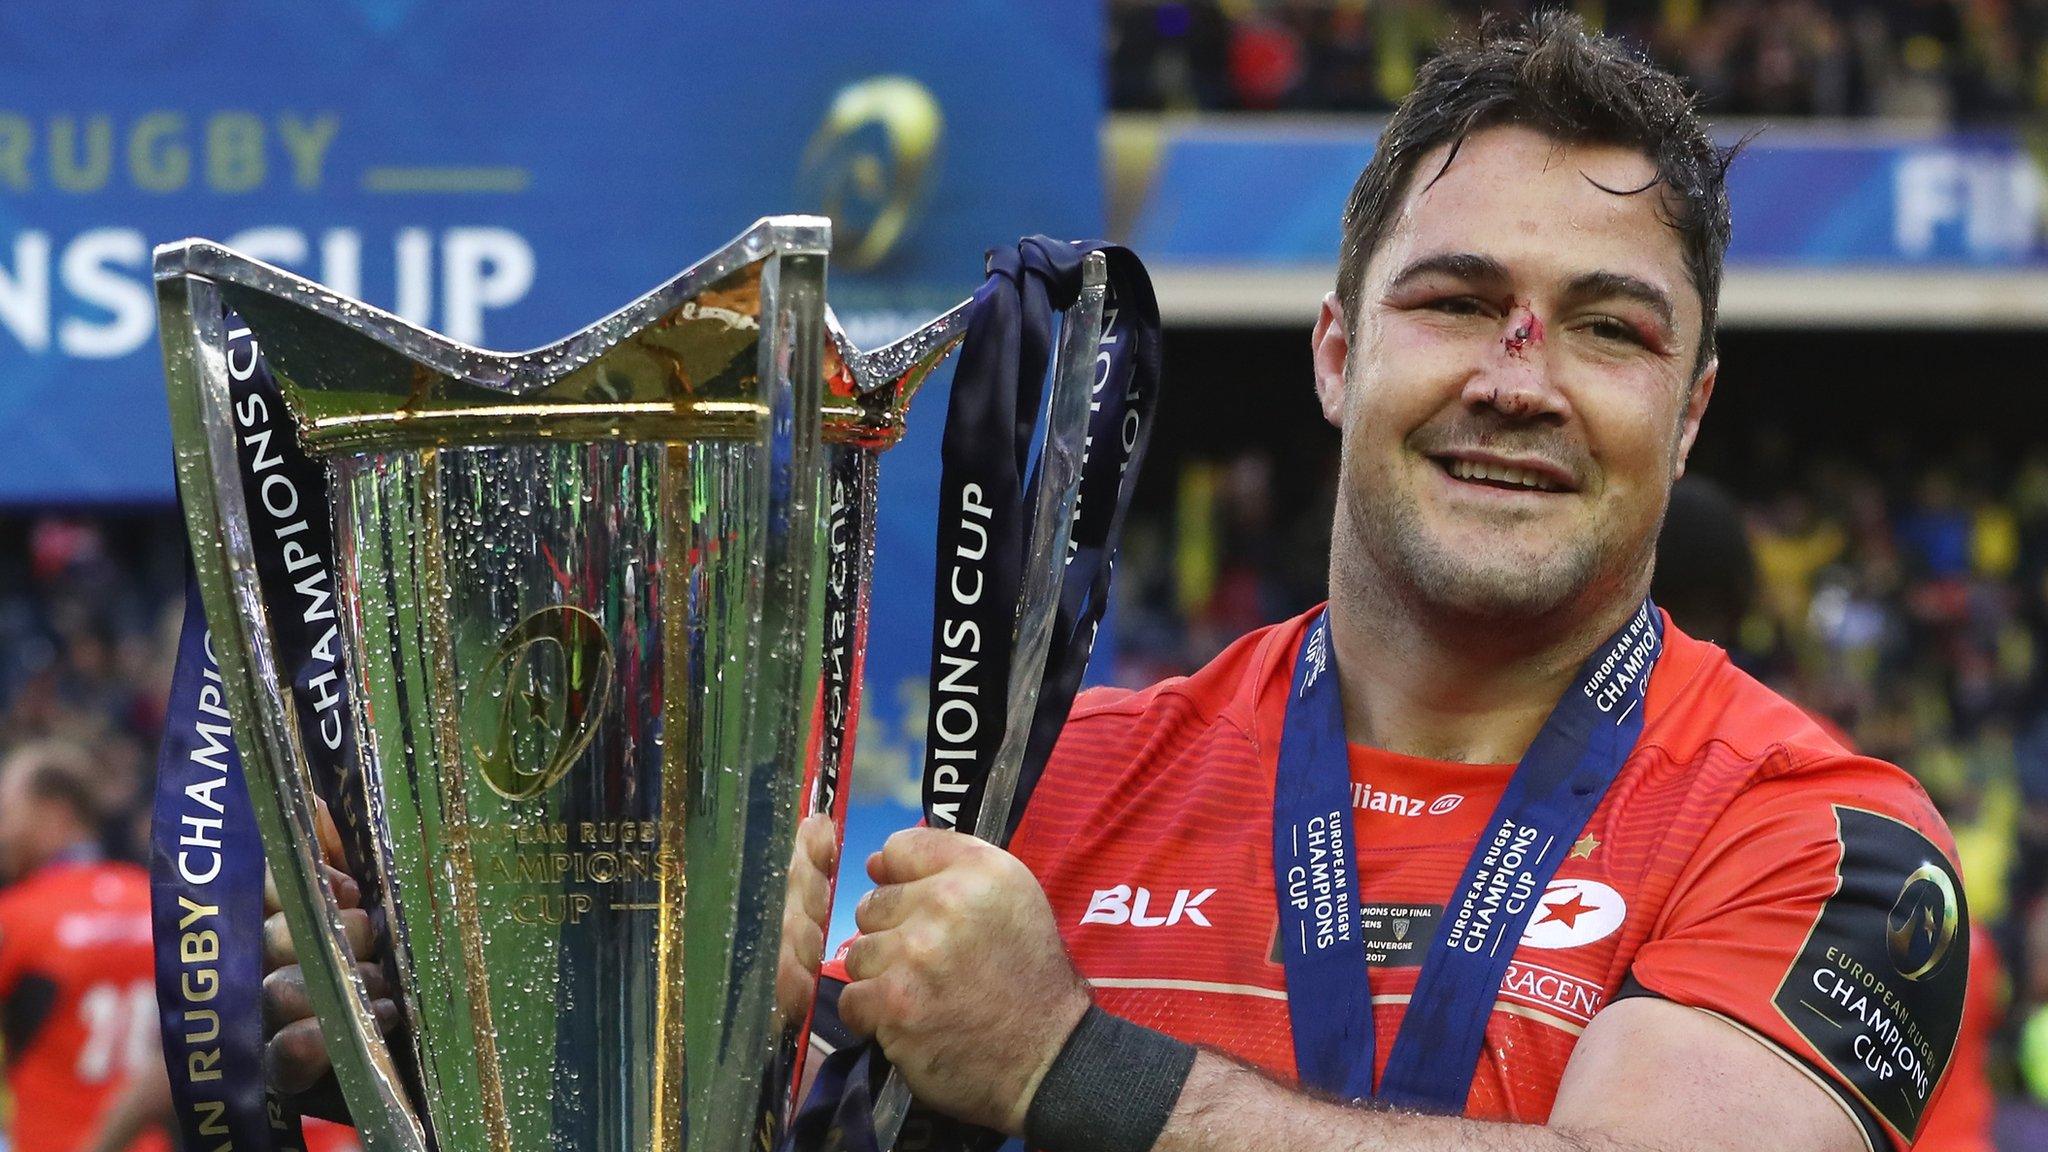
1953 61
1902 599
88 633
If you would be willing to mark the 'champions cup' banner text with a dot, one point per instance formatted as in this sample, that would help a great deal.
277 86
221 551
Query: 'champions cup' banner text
502 173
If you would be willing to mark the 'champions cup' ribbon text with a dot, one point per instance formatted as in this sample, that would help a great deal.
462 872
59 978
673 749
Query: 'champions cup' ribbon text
1555 789
988 491
987 497
291 534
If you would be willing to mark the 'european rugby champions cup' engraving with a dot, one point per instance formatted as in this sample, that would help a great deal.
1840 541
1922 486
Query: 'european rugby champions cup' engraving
600 612
541 700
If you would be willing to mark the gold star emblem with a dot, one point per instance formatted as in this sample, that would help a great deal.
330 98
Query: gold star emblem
1583 850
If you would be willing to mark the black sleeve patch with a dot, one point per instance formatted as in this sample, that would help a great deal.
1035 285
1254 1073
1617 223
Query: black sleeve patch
1877 988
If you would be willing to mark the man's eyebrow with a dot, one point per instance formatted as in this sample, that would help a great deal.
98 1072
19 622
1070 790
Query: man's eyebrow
1597 285
1467 266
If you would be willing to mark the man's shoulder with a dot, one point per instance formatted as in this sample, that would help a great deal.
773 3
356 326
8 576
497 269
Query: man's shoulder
1725 749
1730 733
1698 697
58 888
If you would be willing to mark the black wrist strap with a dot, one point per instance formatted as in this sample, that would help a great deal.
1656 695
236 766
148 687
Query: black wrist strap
1111 1088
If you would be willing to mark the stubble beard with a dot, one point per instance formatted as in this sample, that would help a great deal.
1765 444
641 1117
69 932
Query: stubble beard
1499 588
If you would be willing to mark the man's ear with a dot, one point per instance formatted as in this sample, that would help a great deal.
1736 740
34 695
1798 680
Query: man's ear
1695 411
1331 345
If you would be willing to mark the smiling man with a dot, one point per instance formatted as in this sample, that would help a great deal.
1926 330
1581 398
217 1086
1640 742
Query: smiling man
1487 842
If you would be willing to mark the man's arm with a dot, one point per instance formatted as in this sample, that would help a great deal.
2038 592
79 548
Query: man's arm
1648 1076
961 974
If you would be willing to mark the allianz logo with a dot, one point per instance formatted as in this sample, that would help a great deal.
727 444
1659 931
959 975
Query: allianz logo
1367 798
1126 905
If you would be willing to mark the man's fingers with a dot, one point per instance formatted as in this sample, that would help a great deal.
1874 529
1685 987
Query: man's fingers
863 1007
284 997
857 1010
818 839
330 836
296 1058
867 956
285 1000
277 943
810 894
885 907
279 949
806 942
347 892
915 853
796 975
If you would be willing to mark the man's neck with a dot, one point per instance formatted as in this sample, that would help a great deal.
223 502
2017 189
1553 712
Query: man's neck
1445 688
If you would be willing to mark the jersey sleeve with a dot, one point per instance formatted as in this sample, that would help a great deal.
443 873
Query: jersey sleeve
1824 915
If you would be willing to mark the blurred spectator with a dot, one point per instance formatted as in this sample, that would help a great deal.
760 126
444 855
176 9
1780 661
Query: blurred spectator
1946 60
75 991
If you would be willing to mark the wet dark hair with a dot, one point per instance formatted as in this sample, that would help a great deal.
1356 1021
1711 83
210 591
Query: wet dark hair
1553 76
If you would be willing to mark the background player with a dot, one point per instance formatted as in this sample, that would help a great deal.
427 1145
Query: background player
77 999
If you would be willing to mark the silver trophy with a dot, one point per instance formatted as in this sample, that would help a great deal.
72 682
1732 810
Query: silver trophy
600 604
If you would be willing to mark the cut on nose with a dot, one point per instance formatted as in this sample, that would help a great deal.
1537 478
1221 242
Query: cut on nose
1524 332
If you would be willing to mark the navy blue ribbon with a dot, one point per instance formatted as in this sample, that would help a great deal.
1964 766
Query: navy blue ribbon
1555 789
206 904
291 535
1124 399
987 497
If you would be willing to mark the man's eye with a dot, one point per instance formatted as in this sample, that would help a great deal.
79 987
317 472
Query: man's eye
1608 328
1459 305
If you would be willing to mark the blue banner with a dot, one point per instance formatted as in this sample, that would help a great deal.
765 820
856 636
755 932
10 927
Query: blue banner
1802 198
502 172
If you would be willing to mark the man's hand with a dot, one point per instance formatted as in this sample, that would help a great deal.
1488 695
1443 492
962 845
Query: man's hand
960 973
295 1060
805 916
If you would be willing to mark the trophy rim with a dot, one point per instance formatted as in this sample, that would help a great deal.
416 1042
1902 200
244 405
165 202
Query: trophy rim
516 374
876 384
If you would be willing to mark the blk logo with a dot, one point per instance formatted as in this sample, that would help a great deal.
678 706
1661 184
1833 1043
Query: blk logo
1123 905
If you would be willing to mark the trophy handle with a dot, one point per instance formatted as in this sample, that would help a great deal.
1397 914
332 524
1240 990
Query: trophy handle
191 320
1038 603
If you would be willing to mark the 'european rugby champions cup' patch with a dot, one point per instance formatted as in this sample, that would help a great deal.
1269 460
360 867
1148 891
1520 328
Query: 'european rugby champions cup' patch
1877 989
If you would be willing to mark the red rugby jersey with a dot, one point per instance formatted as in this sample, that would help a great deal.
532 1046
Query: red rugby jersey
77 1001
1742 863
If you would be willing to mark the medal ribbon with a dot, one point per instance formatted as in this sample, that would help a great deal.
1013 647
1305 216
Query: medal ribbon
987 492
202 802
1555 788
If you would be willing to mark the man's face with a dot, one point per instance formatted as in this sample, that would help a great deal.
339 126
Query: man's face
1516 391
